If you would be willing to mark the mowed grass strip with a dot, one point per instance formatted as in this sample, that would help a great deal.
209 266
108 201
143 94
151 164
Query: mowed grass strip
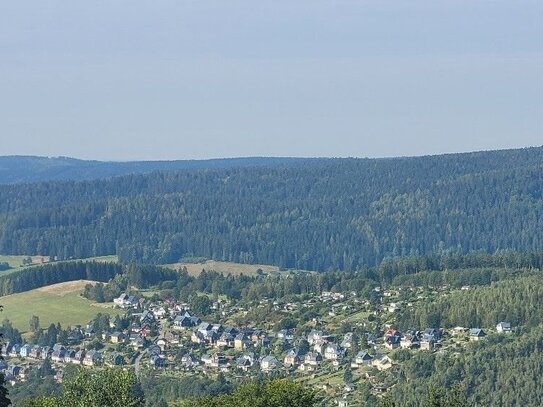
55 303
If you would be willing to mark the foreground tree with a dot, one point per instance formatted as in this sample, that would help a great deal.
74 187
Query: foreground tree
107 388
274 393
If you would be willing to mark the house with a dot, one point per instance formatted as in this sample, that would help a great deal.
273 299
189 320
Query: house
160 312
185 320
268 364
58 346
245 362
427 344
293 358
58 356
333 352
172 338
392 342
391 332
197 337
92 358
157 361
90 329
204 327
46 352
217 360
503 328
78 357
14 351
226 340
132 302
147 317
362 358
137 341
306 367
410 341
315 336
432 334
117 337
312 358
121 301
257 335
476 334
6 348
25 350
69 355
242 342
382 362
394 307
285 334
162 342
347 341
189 360
35 353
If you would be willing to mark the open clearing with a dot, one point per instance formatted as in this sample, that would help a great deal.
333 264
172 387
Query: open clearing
224 267
55 303
16 262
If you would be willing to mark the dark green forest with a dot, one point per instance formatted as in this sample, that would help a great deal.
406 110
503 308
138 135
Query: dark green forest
315 215
26 169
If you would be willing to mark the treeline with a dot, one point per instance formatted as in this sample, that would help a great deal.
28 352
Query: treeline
41 276
160 389
25 169
179 284
518 301
140 276
314 215
503 370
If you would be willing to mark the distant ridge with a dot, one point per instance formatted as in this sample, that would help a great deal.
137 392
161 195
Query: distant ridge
303 214
30 169
19 169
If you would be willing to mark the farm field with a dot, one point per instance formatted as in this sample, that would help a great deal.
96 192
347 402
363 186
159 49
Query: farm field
55 303
195 269
17 261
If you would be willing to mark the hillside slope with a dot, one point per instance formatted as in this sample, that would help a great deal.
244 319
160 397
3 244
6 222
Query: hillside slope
314 215
27 169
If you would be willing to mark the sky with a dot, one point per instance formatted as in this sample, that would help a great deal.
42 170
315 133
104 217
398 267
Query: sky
182 79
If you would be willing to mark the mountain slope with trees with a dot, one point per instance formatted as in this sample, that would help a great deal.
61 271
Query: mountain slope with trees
26 169
315 215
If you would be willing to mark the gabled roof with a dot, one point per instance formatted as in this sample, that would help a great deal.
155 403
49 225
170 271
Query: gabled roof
363 356
476 332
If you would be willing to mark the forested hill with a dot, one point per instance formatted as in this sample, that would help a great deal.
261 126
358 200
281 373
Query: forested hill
317 214
26 169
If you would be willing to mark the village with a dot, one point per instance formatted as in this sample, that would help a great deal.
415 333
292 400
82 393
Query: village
350 346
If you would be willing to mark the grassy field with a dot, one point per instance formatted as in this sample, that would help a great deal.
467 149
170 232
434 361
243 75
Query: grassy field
17 261
224 267
55 303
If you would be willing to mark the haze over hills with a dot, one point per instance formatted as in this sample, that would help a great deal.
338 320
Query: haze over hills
310 214
27 169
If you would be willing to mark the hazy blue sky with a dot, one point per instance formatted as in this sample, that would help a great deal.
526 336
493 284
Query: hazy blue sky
172 79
